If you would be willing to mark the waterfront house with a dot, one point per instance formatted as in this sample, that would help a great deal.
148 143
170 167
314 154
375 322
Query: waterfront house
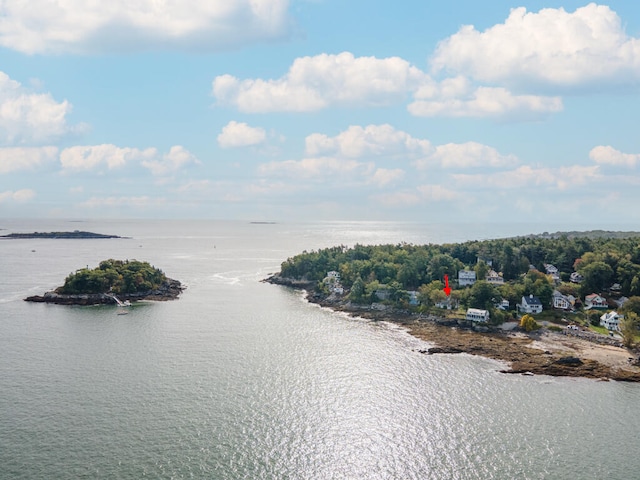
531 304
563 302
611 320
595 301
466 277
477 315
332 280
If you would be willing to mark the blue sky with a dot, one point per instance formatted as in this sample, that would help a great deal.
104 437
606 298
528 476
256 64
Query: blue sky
321 109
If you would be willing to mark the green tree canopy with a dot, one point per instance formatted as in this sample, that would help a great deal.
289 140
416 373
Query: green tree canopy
116 276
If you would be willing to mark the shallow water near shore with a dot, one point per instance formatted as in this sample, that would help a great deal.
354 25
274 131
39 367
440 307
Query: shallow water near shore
240 379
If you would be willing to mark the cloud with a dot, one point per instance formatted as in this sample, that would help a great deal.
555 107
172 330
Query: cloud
482 102
314 83
78 26
18 196
607 155
467 155
26 158
27 117
93 156
357 141
551 47
423 194
236 134
177 158
526 176
317 168
134 202
384 176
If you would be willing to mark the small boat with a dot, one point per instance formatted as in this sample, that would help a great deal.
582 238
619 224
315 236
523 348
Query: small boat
122 312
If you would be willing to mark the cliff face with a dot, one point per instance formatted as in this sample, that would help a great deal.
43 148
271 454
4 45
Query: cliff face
170 290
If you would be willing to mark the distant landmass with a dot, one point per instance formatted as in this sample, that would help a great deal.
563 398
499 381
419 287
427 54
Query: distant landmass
594 234
73 235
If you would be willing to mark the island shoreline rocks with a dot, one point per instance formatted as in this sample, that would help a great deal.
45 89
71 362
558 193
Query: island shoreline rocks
538 353
169 290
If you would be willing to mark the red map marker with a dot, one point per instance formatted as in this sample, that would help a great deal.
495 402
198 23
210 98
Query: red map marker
447 289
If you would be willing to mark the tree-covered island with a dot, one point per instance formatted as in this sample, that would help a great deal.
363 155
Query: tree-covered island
128 280
578 285
76 234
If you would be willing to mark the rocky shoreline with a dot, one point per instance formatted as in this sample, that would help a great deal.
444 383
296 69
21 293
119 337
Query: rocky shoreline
169 290
538 353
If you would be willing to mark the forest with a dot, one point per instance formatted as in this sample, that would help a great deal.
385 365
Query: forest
114 276
601 260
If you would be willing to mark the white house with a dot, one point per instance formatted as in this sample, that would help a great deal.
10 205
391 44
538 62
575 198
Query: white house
333 275
477 315
595 301
611 320
503 305
551 269
449 303
466 277
531 304
493 278
563 302
333 282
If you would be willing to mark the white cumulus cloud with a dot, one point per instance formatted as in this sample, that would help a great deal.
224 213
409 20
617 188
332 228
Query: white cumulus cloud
314 83
18 196
465 155
607 155
236 134
90 157
27 117
550 47
384 176
79 26
357 141
468 155
177 158
26 158
96 157
496 102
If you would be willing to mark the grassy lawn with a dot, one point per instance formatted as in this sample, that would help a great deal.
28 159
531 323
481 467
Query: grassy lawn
600 330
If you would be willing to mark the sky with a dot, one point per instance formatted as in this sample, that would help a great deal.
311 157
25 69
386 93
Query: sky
295 110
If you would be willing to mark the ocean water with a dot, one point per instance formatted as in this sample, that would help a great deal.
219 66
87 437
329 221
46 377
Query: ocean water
239 379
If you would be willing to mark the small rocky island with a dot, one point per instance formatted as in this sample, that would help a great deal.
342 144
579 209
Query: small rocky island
113 281
76 234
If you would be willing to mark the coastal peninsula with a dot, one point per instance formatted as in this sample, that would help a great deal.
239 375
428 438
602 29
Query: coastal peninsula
113 281
553 305
76 234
